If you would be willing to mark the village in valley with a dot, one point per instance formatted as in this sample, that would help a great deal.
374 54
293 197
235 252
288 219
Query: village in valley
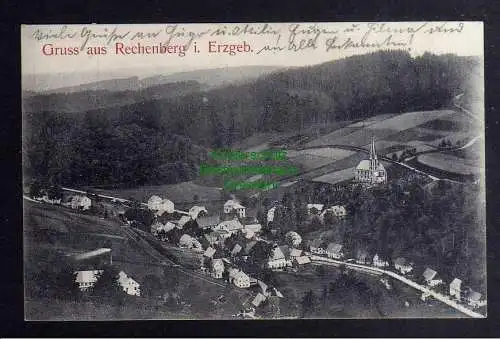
295 183
234 245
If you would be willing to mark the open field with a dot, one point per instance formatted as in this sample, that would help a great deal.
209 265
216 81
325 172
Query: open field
410 119
178 193
372 120
449 163
416 133
336 177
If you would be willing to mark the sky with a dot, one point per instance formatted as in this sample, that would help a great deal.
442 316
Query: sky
278 44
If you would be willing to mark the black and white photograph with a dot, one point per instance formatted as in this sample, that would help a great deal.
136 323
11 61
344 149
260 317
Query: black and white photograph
253 171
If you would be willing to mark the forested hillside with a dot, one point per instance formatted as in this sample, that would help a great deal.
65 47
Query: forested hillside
155 140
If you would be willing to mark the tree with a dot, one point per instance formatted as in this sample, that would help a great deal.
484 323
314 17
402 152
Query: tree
35 189
55 192
394 157
65 285
196 197
107 287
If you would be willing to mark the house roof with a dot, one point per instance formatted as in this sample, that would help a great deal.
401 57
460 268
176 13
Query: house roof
295 252
183 220
303 260
362 254
429 274
185 238
334 248
124 279
236 249
259 298
87 276
456 283
234 204
277 254
231 225
363 165
211 237
249 246
78 199
205 222
263 286
270 214
209 252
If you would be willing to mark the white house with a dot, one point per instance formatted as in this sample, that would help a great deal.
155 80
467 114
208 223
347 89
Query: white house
233 205
379 261
429 276
456 288
231 226
334 251
236 249
195 211
270 214
46 199
362 257
217 268
314 209
129 285
187 241
209 253
277 259
80 202
208 221
160 205
239 278
295 253
403 266
87 279
302 260
154 202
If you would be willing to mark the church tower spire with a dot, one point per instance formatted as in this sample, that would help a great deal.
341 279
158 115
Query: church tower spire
373 156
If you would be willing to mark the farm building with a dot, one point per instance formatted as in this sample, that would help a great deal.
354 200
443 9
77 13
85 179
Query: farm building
80 202
232 205
429 275
277 259
259 298
371 171
378 261
239 278
160 205
231 226
362 257
87 279
253 227
403 266
270 214
209 253
474 299
302 260
129 285
208 222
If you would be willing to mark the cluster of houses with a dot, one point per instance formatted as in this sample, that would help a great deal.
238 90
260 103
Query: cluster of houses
87 279
77 202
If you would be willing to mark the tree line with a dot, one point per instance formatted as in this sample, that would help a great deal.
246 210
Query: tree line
159 141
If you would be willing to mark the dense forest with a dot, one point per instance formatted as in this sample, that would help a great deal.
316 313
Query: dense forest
439 225
163 140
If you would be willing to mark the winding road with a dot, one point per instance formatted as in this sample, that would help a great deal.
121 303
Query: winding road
404 280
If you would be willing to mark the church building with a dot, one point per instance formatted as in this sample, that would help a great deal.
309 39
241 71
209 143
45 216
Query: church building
371 171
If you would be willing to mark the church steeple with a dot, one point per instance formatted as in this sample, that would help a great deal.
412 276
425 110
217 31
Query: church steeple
373 156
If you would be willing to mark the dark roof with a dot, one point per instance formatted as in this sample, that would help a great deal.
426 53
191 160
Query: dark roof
286 251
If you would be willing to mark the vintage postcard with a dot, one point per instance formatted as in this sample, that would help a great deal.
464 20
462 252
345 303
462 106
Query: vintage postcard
254 171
